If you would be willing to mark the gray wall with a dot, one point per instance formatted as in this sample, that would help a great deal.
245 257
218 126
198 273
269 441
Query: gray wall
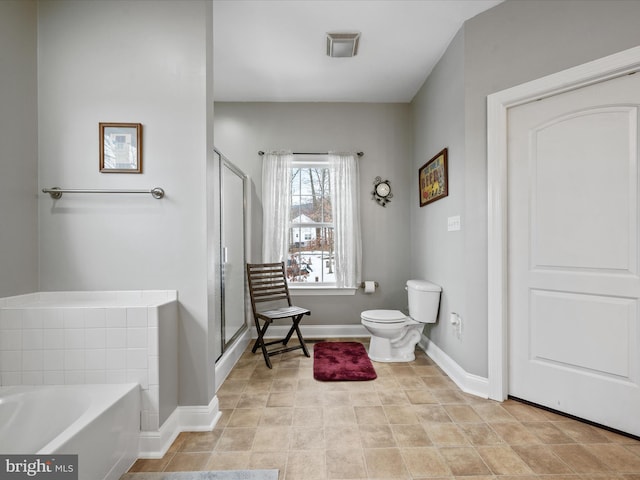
18 148
439 255
510 44
143 62
383 132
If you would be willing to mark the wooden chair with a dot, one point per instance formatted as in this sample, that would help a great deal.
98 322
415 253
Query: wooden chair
268 286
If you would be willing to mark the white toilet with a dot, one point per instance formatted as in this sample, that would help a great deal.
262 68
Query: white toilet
394 335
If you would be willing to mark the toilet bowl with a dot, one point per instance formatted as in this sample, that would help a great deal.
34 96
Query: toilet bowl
394 335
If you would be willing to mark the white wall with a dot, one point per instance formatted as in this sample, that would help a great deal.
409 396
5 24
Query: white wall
383 132
507 45
134 61
18 148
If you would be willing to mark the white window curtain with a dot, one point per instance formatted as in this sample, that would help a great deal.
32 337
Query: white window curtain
346 218
276 205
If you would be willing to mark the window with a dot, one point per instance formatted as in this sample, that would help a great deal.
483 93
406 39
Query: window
311 218
311 240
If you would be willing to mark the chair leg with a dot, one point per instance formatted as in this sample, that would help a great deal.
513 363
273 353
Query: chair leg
292 329
296 328
261 332
260 342
304 346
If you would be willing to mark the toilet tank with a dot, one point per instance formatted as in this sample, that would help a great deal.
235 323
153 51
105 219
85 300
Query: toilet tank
424 300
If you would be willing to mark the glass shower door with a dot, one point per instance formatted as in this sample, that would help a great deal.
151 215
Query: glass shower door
232 252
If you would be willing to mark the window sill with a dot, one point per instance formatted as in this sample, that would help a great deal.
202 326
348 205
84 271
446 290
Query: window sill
317 290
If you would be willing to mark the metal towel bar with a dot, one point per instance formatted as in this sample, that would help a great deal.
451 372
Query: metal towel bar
57 192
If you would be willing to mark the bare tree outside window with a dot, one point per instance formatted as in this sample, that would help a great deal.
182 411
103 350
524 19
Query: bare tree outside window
311 236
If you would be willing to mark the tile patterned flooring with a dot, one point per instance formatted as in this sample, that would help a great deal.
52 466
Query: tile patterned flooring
412 422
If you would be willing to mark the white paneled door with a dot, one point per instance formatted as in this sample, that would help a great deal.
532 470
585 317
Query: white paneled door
574 330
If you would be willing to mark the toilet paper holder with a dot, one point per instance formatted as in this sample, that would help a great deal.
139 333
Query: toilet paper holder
362 285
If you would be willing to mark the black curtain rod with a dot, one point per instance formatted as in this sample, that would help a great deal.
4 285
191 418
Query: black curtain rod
360 154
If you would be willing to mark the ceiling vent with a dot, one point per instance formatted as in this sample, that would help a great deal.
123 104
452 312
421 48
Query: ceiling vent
342 44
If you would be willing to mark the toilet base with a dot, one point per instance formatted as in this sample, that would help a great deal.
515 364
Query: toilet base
381 350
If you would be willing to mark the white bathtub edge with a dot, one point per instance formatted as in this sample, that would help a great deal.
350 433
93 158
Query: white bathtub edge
110 298
122 466
197 418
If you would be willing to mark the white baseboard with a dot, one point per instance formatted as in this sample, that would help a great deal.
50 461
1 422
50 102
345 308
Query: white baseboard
198 418
468 382
318 331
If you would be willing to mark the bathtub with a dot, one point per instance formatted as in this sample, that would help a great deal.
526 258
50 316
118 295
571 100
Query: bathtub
99 423
95 337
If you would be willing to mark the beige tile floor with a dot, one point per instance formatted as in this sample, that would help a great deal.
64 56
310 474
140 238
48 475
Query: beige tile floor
412 422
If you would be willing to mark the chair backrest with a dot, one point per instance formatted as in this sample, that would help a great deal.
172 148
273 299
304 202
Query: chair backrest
267 283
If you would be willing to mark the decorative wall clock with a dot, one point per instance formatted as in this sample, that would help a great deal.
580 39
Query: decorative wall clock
381 191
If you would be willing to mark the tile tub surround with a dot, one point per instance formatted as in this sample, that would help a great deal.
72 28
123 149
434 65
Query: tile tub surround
412 422
64 338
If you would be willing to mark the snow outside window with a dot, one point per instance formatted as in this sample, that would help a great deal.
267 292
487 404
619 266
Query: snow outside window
311 256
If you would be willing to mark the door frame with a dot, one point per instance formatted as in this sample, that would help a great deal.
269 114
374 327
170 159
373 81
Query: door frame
612 66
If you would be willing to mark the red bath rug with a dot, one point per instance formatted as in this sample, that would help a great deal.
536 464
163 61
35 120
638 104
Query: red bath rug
341 361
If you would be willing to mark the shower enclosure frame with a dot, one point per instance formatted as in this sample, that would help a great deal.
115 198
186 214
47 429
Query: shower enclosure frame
231 273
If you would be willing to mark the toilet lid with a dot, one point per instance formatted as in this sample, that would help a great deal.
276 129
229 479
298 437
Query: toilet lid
384 316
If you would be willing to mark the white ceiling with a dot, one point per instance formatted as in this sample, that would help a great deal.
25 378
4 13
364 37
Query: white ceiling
275 50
